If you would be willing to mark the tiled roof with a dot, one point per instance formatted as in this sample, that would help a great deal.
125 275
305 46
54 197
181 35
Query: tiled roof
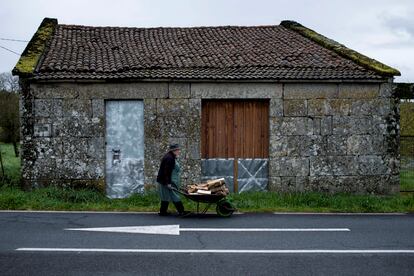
214 53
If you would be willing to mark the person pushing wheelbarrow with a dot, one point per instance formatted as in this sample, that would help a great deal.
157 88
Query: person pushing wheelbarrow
169 180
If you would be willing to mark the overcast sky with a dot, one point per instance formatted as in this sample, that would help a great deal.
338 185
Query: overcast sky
380 29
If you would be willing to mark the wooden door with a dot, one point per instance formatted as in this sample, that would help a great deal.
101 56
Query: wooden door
235 129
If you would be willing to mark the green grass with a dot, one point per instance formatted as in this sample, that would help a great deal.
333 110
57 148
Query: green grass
11 165
53 198
407 180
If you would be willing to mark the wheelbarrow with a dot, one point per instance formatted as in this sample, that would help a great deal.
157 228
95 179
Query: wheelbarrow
224 208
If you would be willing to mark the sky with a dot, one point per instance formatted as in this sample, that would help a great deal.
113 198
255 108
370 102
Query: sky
380 29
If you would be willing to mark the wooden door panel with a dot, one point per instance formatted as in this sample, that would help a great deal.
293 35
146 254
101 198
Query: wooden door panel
235 129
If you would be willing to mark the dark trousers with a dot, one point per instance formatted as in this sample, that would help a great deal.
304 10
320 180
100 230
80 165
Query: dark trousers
178 205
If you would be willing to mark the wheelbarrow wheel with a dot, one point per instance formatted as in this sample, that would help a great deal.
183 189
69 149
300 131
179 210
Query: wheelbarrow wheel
224 208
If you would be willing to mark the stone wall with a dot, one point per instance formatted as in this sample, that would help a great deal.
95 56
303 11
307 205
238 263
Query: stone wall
324 137
335 138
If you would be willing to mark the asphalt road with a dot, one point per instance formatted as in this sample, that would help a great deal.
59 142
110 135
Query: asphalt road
35 244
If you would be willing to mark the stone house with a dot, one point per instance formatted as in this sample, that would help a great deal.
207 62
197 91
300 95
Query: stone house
278 108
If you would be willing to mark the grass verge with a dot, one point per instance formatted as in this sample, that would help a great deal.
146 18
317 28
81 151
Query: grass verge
11 165
86 200
407 180
52 198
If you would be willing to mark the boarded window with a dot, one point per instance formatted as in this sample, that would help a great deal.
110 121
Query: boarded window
235 129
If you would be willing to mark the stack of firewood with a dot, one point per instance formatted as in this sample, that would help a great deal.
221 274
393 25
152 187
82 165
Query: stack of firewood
211 187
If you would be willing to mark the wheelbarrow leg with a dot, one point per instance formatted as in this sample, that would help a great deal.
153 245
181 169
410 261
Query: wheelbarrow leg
206 208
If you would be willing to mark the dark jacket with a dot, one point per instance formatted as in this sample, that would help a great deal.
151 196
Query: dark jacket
166 168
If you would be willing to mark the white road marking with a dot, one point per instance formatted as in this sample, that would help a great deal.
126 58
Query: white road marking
154 229
266 229
223 251
339 214
175 229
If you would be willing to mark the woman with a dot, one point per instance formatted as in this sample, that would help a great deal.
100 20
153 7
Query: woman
169 178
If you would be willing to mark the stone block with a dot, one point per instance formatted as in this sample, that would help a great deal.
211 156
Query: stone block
386 90
310 91
289 166
278 146
372 165
276 107
48 108
301 145
77 108
96 169
326 125
289 184
358 91
150 107
76 148
365 144
236 90
151 126
394 164
130 90
335 145
295 146
341 107
294 108
54 91
317 125
371 107
47 148
317 107
179 90
274 184
195 107
193 128
191 170
44 168
321 184
194 149
98 108
280 126
172 107
83 127
96 148
72 169
336 184
294 184
333 165
344 125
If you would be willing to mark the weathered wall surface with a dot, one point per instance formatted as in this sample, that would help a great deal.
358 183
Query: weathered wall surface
335 138
324 137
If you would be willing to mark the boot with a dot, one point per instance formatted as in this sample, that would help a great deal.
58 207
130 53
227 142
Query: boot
180 208
164 208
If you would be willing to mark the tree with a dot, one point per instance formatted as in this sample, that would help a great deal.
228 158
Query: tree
9 108
9 83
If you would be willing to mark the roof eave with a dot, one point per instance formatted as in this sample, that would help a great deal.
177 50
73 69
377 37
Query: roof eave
34 50
342 50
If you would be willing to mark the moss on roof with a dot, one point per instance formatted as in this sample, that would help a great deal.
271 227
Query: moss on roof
342 50
34 50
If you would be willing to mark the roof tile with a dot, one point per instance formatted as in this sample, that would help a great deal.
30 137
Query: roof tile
259 52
